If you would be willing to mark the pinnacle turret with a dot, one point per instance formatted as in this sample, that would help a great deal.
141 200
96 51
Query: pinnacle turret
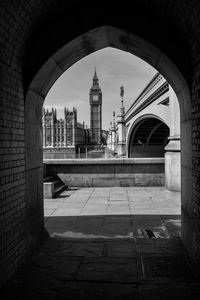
95 80
95 75
122 109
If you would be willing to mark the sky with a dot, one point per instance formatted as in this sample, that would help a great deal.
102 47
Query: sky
114 68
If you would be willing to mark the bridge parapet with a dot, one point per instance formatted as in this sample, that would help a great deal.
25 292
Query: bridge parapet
108 172
156 87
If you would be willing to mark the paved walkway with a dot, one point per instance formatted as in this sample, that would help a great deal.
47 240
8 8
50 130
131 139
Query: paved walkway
109 243
108 212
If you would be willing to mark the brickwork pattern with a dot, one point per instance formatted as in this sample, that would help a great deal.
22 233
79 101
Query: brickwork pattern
196 158
18 19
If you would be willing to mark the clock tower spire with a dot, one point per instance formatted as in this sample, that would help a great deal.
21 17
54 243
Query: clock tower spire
95 111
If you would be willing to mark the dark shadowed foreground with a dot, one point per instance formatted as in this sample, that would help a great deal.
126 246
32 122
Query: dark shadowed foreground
109 243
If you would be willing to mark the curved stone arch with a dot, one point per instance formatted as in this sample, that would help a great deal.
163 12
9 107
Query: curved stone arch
59 62
99 38
130 134
162 113
152 132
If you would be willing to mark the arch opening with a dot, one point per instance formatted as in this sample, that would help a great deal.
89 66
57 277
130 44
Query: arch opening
99 38
149 139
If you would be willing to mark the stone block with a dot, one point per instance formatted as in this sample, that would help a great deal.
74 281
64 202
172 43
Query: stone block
48 190
173 171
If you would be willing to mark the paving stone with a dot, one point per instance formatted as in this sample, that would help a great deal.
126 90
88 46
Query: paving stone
88 232
67 211
116 228
85 249
72 291
108 269
76 225
49 247
119 199
116 204
72 205
50 205
61 225
166 291
121 249
97 200
112 291
118 219
93 212
94 256
78 199
118 210
48 211
143 211
161 246
103 194
30 293
172 224
96 206
42 276
168 267
62 268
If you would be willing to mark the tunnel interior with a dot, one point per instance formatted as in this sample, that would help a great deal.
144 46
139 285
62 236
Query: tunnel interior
30 36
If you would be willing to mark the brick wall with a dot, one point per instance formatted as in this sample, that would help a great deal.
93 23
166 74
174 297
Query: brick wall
196 159
173 27
13 225
14 222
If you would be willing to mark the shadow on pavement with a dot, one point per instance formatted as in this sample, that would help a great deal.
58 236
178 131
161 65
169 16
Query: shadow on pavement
107 257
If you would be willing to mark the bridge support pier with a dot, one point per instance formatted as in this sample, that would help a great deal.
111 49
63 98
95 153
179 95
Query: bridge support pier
173 165
121 149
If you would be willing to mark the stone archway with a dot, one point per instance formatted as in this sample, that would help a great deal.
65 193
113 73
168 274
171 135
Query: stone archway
144 140
136 123
99 38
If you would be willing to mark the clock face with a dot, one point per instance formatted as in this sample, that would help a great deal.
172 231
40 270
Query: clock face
95 98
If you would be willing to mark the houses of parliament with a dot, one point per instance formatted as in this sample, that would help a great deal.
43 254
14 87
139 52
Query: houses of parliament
68 133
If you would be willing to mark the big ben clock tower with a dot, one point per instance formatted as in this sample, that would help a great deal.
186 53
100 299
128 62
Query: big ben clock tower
95 111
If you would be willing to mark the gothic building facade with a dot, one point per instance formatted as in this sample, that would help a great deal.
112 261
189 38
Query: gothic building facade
63 133
68 132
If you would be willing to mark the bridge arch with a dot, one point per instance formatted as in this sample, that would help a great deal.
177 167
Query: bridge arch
131 126
142 131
